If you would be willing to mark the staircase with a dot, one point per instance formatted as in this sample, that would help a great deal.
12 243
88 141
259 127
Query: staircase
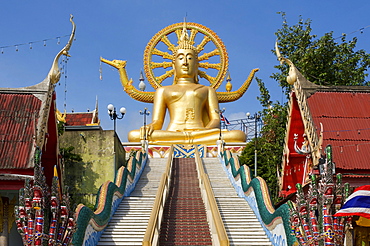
128 225
184 217
241 224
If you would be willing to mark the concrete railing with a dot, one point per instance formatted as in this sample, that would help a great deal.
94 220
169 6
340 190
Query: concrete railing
90 224
151 236
255 191
219 235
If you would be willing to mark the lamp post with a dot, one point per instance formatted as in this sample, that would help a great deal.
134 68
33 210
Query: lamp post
145 113
113 114
220 112
256 117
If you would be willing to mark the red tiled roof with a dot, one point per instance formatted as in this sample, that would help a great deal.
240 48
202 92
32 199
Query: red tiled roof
346 121
18 120
79 119
356 176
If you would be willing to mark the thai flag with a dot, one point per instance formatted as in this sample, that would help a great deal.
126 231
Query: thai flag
223 118
358 203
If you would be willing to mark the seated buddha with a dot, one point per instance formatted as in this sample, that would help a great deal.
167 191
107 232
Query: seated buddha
193 108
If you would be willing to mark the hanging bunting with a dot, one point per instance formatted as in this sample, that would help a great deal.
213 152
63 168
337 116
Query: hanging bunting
30 44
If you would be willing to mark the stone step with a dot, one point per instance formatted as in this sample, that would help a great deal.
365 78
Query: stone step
139 227
129 223
235 226
129 212
130 220
128 243
128 230
184 215
241 230
241 224
250 234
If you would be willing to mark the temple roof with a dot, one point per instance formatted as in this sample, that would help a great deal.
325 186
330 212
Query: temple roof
346 121
344 113
19 116
324 115
27 122
81 119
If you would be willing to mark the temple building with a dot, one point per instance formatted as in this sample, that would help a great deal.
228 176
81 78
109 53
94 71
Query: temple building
321 116
80 119
29 144
101 153
27 122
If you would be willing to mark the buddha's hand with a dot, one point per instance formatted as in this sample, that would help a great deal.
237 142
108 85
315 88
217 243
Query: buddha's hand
146 131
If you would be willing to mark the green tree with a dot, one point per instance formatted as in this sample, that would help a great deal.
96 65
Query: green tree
60 127
270 143
325 61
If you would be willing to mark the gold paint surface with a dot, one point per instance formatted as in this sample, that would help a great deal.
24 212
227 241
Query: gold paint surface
193 108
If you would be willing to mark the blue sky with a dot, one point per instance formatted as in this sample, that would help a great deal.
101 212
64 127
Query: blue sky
121 29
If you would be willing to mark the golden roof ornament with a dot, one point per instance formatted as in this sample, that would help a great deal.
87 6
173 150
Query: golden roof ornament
54 73
292 77
228 86
184 42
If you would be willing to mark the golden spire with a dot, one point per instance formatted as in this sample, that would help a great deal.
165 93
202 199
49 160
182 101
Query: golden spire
184 34
184 42
229 86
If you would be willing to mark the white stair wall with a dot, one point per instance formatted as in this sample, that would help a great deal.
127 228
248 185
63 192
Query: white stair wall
128 224
241 224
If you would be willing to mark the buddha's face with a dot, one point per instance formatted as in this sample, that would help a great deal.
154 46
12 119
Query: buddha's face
186 63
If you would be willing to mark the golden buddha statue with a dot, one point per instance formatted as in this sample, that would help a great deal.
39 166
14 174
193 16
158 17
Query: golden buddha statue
193 108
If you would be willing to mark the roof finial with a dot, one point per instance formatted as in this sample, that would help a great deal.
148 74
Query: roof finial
184 34
292 78
229 86
184 42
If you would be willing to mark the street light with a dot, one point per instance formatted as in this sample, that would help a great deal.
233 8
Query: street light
256 117
220 112
113 115
145 113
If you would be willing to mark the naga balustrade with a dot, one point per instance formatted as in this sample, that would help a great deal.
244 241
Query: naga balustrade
90 224
255 191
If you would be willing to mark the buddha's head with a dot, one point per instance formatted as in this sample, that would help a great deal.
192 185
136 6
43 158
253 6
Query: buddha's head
185 59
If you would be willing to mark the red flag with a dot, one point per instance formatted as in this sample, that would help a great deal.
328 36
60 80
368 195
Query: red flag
223 118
